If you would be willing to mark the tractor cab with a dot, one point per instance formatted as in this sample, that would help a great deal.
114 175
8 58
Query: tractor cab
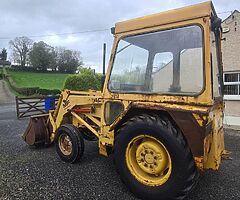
171 62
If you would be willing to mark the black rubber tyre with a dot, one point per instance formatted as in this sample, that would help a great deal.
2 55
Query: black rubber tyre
76 140
184 172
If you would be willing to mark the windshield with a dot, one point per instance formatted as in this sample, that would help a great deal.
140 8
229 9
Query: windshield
169 61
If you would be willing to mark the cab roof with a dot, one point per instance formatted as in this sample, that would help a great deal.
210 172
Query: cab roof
181 14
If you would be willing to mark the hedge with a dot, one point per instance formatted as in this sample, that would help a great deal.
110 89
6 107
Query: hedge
48 91
32 69
20 68
83 82
27 91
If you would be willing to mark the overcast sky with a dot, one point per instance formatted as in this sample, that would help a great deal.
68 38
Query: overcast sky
50 17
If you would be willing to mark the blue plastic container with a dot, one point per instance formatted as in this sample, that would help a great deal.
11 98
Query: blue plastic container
49 103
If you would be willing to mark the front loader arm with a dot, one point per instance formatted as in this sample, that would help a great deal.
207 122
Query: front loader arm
42 129
66 104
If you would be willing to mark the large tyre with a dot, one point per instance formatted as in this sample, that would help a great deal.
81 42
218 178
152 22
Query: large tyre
69 143
153 159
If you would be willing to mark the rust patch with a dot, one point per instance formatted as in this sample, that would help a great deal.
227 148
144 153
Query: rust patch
199 162
37 131
192 131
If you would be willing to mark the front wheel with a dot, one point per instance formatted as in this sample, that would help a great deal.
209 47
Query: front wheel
153 159
69 143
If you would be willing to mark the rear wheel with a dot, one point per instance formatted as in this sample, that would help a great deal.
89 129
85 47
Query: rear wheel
69 143
153 159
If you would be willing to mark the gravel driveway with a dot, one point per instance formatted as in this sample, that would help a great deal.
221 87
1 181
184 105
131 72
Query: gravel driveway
29 173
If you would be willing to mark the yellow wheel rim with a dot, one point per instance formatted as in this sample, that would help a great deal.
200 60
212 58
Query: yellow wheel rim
148 160
65 144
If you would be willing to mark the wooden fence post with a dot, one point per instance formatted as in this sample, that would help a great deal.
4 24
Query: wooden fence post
17 107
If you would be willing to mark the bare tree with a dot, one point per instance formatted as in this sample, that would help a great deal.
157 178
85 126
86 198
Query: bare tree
21 47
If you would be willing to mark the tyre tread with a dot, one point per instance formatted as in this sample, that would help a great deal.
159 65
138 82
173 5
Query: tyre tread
165 122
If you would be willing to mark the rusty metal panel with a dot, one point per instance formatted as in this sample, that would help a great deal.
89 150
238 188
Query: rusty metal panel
192 131
37 131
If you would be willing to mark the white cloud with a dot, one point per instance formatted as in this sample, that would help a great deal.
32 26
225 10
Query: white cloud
44 17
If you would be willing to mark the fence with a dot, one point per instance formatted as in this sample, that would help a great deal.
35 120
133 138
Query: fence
28 106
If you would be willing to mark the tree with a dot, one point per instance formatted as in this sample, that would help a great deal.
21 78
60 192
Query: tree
3 54
68 60
21 47
42 56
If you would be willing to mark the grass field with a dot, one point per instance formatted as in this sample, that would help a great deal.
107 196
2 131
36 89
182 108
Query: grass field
42 80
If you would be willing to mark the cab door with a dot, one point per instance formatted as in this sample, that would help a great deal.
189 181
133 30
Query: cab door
214 144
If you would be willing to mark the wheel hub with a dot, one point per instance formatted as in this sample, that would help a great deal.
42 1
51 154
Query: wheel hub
151 157
65 144
148 160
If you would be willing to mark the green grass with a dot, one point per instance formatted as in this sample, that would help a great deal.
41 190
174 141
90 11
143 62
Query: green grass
42 80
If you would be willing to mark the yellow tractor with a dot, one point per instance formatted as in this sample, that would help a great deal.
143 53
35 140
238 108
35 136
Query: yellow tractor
161 108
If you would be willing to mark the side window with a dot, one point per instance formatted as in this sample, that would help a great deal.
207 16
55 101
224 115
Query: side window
191 62
162 75
112 110
129 67
162 60
215 72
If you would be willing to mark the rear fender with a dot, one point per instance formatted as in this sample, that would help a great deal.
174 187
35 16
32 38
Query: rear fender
192 130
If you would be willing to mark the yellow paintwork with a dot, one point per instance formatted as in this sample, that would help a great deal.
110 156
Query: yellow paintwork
168 17
204 103
214 144
148 161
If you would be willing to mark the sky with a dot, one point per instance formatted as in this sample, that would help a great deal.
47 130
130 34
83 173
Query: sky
44 20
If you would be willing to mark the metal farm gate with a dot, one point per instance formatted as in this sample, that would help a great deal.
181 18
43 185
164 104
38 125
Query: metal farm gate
28 106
